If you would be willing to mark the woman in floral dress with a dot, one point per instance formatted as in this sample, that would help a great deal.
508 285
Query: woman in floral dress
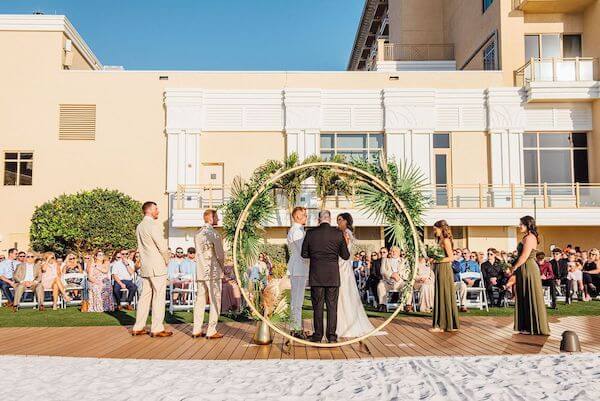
100 289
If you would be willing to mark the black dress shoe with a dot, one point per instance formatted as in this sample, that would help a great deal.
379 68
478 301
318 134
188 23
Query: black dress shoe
315 339
298 334
332 340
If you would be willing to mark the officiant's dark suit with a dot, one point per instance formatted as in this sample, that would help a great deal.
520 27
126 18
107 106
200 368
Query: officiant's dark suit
324 245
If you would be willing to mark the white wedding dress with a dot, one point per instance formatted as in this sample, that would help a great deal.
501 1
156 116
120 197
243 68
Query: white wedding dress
352 319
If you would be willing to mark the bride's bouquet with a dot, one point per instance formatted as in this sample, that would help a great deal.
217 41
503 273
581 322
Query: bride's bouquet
435 252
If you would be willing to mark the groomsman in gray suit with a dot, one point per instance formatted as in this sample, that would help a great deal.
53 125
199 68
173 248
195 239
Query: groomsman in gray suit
154 256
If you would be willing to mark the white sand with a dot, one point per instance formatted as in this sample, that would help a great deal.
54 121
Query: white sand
555 377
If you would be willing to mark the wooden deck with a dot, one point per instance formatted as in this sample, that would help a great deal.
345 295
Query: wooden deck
406 337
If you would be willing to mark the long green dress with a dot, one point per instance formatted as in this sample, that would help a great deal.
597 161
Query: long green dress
530 309
445 312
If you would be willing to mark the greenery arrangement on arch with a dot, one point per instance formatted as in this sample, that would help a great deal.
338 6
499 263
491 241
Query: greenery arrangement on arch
83 222
406 181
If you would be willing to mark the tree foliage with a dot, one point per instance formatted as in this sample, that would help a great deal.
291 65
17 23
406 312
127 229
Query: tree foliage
85 221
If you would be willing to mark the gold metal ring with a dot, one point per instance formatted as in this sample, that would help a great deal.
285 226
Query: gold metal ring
345 168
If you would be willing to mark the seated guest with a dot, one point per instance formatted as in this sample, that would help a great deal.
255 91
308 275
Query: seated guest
28 276
137 265
51 280
185 275
559 268
7 269
122 274
100 290
72 266
260 271
493 272
424 283
469 264
591 273
459 285
547 276
375 270
574 279
394 276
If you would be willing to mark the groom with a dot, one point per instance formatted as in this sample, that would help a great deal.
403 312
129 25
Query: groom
324 246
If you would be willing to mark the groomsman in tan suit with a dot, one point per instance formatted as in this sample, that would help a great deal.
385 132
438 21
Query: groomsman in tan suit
154 256
209 272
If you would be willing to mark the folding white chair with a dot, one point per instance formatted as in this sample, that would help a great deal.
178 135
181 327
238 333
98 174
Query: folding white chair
82 278
547 296
480 299
187 296
416 297
392 301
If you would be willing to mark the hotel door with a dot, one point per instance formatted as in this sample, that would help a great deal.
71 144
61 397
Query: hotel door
212 181
442 169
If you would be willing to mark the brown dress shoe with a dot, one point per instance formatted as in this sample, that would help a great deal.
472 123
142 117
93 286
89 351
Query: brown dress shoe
215 336
42 308
163 333
464 309
139 332
129 307
199 335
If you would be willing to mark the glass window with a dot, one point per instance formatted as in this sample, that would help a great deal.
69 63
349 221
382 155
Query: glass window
351 146
18 168
441 141
555 141
489 57
487 4
551 46
532 46
555 158
571 46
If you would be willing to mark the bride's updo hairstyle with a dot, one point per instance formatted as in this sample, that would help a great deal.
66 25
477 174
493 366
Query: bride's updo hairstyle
348 219
445 230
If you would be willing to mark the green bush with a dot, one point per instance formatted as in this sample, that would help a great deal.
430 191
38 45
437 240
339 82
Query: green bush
82 222
278 253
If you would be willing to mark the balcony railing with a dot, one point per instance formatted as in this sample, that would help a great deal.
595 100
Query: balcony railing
551 6
398 52
557 70
478 196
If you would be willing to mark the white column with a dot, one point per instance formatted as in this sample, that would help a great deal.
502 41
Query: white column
411 147
506 153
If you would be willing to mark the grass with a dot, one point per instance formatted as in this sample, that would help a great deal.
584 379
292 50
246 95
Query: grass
72 317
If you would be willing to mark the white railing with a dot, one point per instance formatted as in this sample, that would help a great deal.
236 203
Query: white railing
556 70
476 196
425 52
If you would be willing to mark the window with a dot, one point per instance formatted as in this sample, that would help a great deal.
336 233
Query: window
555 158
489 57
366 146
441 166
487 4
18 168
552 45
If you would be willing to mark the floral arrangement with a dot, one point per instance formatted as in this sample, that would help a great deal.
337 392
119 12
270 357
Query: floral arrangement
435 252
270 300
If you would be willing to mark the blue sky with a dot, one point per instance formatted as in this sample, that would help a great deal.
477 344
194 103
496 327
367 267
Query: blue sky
210 35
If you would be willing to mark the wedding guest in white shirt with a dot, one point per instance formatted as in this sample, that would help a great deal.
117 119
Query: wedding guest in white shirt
122 274
394 277
7 269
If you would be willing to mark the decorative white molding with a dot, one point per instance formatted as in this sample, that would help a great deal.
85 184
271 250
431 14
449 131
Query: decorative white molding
506 155
461 110
50 23
184 111
559 117
563 91
355 110
392 66
411 146
505 109
302 109
407 109
243 110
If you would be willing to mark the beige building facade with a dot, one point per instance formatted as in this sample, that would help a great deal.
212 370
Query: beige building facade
493 143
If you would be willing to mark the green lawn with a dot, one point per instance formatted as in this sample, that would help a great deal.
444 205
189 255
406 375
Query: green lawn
73 317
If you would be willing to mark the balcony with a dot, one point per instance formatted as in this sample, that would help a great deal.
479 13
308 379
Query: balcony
491 204
551 6
549 79
419 57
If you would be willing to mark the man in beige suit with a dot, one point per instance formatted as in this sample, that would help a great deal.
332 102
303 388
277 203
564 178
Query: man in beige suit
154 256
28 276
209 272
394 276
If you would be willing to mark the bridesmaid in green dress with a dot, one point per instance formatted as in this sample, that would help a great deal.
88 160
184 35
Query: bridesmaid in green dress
445 312
530 309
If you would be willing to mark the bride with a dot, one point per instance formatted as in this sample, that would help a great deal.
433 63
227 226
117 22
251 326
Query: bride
352 320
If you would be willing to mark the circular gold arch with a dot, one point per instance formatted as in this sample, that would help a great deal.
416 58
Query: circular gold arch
344 169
